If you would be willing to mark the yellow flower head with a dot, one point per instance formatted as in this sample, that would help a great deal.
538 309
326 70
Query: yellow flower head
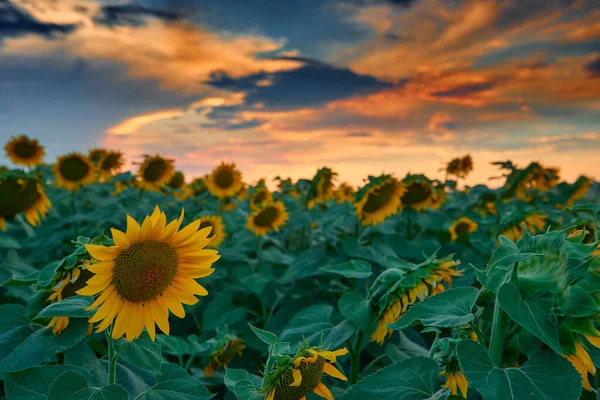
270 217
345 192
217 233
379 199
155 172
110 163
419 194
323 185
21 193
462 226
224 181
534 222
151 270
303 375
260 196
95 155
73 171
223 352
24 151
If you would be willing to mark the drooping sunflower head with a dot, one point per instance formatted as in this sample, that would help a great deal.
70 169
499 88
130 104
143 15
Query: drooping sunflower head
461 227
224 181
177 181
110 163
22 193
322 187
345 192
466 164
96 154
73 170
260 196
222 350
155 171
24 151
217 233
402 288
151 270
455 381
379 199
460 167
270 217
295 378
579 190
419 193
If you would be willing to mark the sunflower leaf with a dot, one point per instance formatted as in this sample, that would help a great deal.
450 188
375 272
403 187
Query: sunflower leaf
358 269
34 383
142 352
174 383
71 307
267 337
74 386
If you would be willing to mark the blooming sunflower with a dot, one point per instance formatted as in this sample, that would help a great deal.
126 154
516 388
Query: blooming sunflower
396 300
21 193
224 181
154 172
456 380
222 351
24 151
150 271
260 196
419 193
270 217
345 192
110 163
95 155
302 375
217 233
462 226
73 171
379 199
68 282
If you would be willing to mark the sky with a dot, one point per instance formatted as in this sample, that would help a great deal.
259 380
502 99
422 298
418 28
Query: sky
285 87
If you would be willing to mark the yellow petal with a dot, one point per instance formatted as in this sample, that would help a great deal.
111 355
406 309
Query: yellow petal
174 305
104 309
297 377
333 371
321 390
595 341
101 298
185 233
100 279
146 229
133 229
155 214
159 226
585 358
160 315
149 321
92 290
112 313
462 383
136 323
101 267
120 238
122 321
102 253
191 286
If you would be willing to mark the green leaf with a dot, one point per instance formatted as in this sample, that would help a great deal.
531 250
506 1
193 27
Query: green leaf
82 355
352 269
414 378
174 383
533 313
357 309
72 385
70 307
546 376
579 303
174 345
7 242
267 337
243 384
142 352
34 383
446 309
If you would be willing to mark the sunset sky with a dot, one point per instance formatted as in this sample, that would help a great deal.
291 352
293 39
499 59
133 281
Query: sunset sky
283 87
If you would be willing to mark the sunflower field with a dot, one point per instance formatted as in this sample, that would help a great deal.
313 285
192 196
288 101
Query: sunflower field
147 285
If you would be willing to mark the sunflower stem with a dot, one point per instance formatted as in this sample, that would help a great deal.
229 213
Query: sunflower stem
356 356
498 334
112 358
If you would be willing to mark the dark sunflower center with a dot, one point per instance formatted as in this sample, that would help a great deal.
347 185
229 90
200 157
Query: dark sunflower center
260 197
416 192
74 169
462 228
207 224
96 155
224 178
266 217
17 197
25 149
155 170
177 180
311 376
72 287
110 161
144 270
380 198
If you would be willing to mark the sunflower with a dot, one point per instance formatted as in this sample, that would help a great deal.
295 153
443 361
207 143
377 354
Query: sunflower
110 163
154 172
322 185
95 155
379 199
419 193
303 374
534 222
222 352
270 217
426 281
487 204
260 196
180 189
579 190
460 167
151 269
344 192
68 282
21 193
224 181
24 151
217 233
462 226
73 171
456 380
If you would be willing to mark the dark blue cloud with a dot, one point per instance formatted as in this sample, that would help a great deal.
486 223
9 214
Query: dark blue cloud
312 85
232 126
464 90
132 14
15 22
593 68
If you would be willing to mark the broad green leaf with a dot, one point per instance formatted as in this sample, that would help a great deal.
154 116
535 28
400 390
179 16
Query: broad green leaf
72 307
174 345
339 334
72 385
411 379
546 376
142 352
357 309
6 242
82 355
174 383
533 313
267 337
34 383
310 323
579 303
450 308
243 384
352 269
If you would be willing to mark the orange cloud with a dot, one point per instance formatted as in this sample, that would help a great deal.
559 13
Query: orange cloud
133 125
